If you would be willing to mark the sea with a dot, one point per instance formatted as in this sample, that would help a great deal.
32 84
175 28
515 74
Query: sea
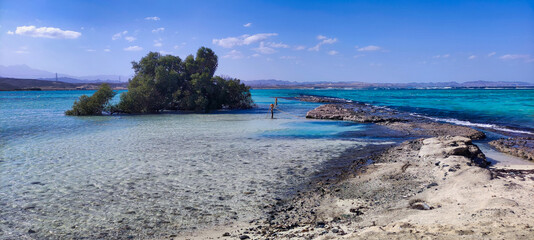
160 175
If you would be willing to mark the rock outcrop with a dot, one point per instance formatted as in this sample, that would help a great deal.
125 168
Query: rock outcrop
520 146
399 121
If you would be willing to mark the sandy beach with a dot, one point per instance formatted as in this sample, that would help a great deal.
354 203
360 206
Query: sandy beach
440 185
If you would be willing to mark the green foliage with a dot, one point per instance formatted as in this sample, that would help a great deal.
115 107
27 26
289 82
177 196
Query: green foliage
93 105
168 83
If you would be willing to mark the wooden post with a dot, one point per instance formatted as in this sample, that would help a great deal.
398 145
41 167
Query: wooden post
276 101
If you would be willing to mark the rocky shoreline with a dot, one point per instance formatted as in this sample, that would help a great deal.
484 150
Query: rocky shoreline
410 125
519 146
437 186
404 123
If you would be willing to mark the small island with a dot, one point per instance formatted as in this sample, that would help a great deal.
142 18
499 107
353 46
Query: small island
166 83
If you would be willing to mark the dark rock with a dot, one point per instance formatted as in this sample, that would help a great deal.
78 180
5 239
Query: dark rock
316 99
419 205
395 120
522 147
242 237
31 231
226 234
356 211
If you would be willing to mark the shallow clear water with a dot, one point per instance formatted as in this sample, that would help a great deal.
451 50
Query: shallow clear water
157 175
151 175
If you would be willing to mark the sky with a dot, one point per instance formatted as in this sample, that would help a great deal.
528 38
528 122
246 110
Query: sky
367 41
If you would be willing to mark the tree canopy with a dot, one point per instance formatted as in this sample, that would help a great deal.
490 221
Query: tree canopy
165 82
168 83
95 104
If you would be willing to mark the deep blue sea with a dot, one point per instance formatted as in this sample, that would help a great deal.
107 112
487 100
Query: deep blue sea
161 174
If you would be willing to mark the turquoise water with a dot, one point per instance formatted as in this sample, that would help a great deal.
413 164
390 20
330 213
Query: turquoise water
151 175
509 109
156 175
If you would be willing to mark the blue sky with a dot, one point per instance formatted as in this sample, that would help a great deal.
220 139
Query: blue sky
369 41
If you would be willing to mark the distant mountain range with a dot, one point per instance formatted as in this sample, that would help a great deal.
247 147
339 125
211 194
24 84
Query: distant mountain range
29 78
272 83
26 72
14 84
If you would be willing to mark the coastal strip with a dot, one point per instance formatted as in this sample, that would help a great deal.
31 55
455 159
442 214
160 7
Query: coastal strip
437 185
404 123
435 188
410 125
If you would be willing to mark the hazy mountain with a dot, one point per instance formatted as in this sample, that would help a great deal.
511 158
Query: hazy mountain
10 84
24 71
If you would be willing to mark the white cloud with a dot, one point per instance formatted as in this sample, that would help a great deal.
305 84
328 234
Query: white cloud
107 50
358 55
90 50
118 35
247 25
46 32
181 45
157 30
157 43
152 18
298 48
130 38
315 48
257 37
264 49
10 32
22 50
369 48
442 56
277 45
228 42
256 55
517 57
329 40
165 52
234 54
133 48
288 57
242 40
333 52
324 40
472 57
491 54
